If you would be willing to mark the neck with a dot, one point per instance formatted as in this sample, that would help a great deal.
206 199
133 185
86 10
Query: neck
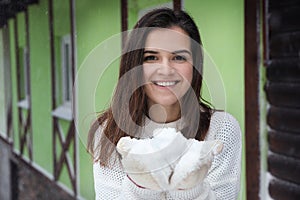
164 114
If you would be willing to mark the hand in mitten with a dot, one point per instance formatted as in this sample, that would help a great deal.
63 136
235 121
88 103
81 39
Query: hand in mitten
168 161
193 166
150 162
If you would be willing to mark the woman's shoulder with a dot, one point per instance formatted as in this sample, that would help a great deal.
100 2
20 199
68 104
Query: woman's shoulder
223 124
223 117
99 132
97 135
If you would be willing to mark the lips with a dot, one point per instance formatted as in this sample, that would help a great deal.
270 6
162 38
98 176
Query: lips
165 83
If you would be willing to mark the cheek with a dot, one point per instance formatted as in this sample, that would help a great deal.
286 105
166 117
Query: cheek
147 71
186 73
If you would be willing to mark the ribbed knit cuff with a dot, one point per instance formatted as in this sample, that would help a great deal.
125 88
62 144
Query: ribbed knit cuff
200 191
140 193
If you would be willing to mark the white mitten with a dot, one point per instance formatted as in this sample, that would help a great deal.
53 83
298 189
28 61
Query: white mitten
193 166
150 162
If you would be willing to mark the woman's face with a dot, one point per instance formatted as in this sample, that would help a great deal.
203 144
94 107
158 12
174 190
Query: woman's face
167 66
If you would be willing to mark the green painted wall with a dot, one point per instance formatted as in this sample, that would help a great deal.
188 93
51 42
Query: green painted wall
97 28
221 25
2 88
13 78
96 22
41 85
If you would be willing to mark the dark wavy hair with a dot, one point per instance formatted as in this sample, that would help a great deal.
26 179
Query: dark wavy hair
196 115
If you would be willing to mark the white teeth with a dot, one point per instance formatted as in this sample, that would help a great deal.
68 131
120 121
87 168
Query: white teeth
165 84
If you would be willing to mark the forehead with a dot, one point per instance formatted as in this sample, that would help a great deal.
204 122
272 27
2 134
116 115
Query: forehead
168 39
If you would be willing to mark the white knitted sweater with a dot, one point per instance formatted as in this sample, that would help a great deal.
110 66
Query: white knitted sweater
223 179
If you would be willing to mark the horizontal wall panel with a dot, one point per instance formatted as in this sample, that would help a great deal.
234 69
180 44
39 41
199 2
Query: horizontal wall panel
284 70
282 90
284 143
284 19
31 183
285 168
283 190
283 94
285 45
284 119
280 3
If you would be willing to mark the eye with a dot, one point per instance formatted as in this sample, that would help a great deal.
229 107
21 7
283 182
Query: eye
150 58
179 58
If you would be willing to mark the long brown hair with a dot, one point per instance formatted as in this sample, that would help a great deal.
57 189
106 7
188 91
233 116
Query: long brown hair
131 112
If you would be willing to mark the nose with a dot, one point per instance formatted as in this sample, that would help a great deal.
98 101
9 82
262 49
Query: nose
165 67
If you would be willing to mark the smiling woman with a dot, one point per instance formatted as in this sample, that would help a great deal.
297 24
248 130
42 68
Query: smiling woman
159 86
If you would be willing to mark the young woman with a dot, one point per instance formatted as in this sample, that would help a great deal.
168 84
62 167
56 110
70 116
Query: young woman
159 86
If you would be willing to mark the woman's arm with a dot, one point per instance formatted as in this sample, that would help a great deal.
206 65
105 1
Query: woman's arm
107 182
224 175
223 179
112 183
222 182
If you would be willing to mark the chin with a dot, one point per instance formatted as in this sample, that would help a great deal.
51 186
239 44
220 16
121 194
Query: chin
168 103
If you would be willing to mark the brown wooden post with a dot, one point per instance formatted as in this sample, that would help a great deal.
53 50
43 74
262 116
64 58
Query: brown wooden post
74 179
53 79
27 40
177 4
252 118
124 21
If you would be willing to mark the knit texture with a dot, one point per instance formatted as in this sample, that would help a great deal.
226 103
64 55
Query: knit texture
222 181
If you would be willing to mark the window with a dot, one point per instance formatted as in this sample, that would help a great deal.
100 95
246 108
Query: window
66 70
64 82
24 78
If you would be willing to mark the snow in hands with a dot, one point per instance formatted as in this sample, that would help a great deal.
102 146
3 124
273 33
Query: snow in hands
168 160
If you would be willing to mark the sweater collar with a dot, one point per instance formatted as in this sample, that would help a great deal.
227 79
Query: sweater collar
151 125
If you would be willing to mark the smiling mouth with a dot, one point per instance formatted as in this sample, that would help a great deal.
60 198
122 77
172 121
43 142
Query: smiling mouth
165 83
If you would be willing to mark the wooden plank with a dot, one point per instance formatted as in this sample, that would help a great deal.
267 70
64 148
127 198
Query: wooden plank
53 89
284 143
177 4
9 9
283 94
284 167
284 70
74 179
252 60
124 21
284 119
283 190
285 45
29 120
280 3
284 19
30 182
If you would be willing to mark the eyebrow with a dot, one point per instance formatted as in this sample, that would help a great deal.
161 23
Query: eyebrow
182 51
152 52
174 52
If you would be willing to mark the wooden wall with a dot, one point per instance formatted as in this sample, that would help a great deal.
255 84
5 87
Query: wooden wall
283 94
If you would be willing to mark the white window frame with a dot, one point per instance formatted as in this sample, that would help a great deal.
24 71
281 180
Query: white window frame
66 68
24 103
64 111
